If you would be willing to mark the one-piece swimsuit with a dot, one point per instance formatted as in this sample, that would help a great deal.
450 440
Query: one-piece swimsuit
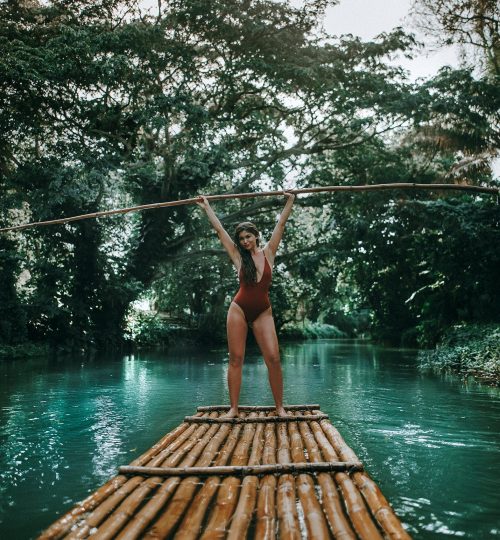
253 298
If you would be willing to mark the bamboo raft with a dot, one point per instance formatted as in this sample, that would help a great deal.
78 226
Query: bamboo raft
255 476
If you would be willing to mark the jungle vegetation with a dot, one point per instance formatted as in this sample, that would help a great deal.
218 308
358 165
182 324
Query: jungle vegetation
104 104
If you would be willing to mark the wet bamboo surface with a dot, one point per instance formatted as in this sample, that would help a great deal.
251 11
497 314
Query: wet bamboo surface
288 479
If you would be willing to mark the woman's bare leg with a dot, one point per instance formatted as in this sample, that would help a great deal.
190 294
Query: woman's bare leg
237 330
265 335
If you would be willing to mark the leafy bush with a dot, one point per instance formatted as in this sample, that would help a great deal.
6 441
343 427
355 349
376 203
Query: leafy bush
352 324
470 349
310 330
23 350
145 329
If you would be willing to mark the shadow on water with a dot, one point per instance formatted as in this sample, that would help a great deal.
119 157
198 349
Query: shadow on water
430 441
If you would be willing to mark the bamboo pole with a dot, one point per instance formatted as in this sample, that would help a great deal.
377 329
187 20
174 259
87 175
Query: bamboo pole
142 519
266 502
332 506
248 494
193 200
378 504
208 408
227 496
253 420
184 493
163 490
190 527
65 522
358 513
180 447
287 511
244 470
317 527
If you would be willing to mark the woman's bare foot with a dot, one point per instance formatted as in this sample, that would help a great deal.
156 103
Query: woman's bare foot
281 412
232 413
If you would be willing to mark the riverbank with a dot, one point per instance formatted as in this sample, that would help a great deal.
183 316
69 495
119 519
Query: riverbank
24 350
467 349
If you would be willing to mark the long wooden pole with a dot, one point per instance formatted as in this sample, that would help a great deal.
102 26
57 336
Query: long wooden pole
375 499
356 508
193 200
227 497
252 420
140 520
330 499
190 527
265 527
314 518
208 408
244 470
243 512
288 520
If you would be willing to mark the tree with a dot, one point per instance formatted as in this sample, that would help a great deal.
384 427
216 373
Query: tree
473 24
108 103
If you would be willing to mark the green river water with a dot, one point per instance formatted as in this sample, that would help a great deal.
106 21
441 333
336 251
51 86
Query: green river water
431 442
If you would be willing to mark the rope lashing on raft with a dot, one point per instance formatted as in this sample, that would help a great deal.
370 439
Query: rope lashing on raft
193 200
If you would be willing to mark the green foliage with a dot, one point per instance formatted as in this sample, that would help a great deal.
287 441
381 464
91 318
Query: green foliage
103 105
12 312
310 330
23 350
424 265
473 24
470 349
147 330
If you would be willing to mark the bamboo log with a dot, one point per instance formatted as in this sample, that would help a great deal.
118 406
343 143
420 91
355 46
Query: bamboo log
229 488
164 524
317 527
190 527
208 408
184 493
65 522
248 495
266 503
252 420
125 511
332 506
378 504
83 528
372 187
380 507
287 511
105 508
245 470
356 508
116 507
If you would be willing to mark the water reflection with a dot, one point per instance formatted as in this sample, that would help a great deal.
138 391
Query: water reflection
431 442
107 426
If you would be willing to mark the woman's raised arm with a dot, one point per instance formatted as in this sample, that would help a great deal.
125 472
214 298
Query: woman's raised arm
272 246
224 237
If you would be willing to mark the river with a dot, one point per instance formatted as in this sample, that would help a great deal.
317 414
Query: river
431 442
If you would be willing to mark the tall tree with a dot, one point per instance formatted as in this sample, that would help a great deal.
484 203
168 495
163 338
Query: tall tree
198 96
473 24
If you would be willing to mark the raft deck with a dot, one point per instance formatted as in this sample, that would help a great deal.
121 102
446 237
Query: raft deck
256 476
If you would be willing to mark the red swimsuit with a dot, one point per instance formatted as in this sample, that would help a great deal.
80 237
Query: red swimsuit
253 298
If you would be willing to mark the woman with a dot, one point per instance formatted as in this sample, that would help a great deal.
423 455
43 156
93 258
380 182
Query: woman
251 306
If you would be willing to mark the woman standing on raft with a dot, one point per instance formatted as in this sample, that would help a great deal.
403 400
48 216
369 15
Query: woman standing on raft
251 305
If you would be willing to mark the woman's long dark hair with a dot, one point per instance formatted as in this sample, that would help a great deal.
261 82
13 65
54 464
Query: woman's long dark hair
249 272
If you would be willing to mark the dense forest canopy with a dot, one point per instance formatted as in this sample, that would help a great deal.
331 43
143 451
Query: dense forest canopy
105 104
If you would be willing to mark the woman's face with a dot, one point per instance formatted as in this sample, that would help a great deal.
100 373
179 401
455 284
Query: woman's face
248 240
